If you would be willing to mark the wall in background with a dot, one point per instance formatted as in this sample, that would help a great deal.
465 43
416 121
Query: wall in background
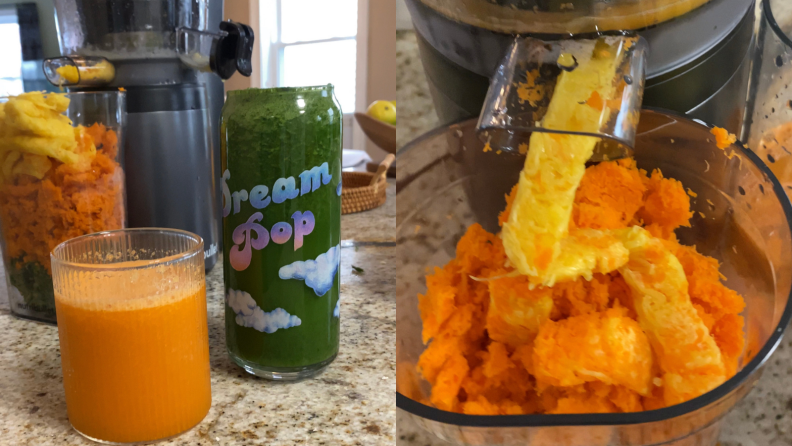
380 60
402 16
247 12
49 34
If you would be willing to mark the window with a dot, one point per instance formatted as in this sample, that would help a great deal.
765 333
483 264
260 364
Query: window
312 42
10 53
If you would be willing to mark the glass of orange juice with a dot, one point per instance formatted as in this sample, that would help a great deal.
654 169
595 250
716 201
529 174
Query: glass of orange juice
131 310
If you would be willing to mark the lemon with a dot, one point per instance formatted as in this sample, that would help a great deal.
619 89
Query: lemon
384 111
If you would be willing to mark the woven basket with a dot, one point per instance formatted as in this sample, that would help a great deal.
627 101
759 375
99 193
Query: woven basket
356 193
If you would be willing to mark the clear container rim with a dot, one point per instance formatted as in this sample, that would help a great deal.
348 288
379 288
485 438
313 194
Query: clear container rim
281 90
187 254
767 13
612 419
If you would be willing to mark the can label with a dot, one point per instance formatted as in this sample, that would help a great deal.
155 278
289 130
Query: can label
281 183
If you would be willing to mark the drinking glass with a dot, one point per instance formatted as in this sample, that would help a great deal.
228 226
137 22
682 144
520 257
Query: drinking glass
131 308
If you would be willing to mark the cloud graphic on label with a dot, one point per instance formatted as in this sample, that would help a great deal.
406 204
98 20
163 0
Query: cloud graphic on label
318 274
248 314
337 309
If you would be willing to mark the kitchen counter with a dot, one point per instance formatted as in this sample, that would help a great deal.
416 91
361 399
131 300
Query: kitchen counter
351 403
763 418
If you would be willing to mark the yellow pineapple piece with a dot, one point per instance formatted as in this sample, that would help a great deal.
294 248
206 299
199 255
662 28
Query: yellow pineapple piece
688 356
539 219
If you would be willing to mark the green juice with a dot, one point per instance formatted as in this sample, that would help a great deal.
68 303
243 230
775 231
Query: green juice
281 164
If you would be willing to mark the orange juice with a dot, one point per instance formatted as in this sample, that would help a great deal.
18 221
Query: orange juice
135 358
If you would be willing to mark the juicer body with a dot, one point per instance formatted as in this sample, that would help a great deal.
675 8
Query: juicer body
170 162
698 63
172 154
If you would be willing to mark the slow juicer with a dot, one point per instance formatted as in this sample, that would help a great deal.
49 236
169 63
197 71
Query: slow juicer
171 57
698 62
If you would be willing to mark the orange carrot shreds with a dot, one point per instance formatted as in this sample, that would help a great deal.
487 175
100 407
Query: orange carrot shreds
480 406
582 296
667 205
607 347
620 295
479 252
531 91
688 356
597 397
104 139
584 402
705 316
446 388
523 355
595 101
728 334
501 380
434 358
37 215
516 311
497 362
704 283
625 400
655 400
503 217
408 382
438 304
501 345
609 195
723 138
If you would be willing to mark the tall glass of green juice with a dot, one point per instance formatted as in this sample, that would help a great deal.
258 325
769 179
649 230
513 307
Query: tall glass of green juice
281 164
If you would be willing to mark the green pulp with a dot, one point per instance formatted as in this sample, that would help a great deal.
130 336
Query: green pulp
35 285
268 135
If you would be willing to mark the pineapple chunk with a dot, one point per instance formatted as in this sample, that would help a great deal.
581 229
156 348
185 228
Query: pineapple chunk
607 347
539 219
688 356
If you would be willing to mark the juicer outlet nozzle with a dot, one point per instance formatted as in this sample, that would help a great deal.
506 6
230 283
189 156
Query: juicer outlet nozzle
233 52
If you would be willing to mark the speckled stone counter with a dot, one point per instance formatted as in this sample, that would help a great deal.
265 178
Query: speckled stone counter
351 403
763 418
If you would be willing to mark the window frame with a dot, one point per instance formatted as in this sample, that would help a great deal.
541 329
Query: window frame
8 16
272 49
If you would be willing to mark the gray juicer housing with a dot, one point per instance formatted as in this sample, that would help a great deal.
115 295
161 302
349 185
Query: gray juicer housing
698 63
172 149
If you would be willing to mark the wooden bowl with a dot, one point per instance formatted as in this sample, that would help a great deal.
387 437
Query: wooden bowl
357 195
362 191
380 133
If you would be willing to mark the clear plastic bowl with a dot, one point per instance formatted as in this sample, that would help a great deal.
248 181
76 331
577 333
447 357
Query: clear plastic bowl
65 204
768 122
742 218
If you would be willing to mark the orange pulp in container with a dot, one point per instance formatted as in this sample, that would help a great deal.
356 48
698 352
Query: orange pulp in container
135 362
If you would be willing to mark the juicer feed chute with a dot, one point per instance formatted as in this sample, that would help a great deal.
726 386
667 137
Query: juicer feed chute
522 87
171 57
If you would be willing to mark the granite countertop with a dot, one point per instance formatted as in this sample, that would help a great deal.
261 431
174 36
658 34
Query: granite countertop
763 418
351 403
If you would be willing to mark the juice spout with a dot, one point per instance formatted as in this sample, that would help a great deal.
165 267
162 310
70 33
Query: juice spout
222 53
521 90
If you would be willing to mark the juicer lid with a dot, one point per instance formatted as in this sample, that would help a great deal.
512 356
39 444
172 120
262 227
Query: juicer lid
673 43
562 16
